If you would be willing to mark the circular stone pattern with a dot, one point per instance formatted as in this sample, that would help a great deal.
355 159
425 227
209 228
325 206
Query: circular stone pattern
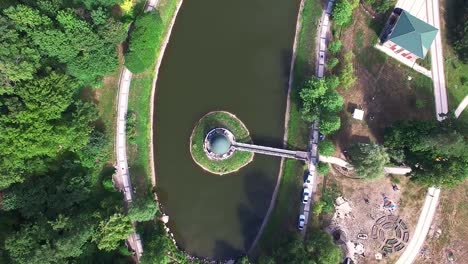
392 232
211 143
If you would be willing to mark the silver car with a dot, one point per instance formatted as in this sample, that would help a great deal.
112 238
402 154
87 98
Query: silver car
301 223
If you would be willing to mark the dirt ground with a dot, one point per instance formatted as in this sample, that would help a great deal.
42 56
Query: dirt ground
449 231
366 199
385 90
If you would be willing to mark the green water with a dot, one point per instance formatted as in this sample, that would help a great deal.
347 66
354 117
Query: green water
232 56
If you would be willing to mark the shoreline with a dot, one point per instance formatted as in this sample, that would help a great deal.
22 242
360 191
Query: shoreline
153 92
193 132
286 128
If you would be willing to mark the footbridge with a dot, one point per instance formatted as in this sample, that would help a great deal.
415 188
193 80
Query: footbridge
292 154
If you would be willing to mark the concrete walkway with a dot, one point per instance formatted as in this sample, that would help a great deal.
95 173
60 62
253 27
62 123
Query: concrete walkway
429 11
422 228
461 107
123 180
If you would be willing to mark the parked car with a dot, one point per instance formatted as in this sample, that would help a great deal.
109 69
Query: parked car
309 179
305 195
301 223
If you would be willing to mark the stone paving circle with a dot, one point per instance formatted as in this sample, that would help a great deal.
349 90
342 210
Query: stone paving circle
392 232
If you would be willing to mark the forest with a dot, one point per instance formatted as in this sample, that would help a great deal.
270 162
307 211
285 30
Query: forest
56 196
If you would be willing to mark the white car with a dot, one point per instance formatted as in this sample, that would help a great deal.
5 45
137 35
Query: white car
301 223
305 195
309 179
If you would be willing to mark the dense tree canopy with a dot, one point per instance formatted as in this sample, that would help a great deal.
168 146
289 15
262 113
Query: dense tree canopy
86 47
144 42
317 248
51 153
321 101
368 160
435 151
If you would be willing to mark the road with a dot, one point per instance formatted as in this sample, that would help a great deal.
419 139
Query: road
422 228
322 39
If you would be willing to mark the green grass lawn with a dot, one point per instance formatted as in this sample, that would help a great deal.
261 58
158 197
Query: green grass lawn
224 120
139 103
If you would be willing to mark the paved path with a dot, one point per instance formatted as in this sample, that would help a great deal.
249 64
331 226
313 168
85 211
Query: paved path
429 11
437 61
322 39
461 107
422 228
124 182
285 153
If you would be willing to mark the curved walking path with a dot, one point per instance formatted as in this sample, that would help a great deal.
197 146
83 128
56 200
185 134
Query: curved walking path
422 228
461 107
123 175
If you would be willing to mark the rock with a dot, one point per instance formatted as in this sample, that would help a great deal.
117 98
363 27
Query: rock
378 256
165 219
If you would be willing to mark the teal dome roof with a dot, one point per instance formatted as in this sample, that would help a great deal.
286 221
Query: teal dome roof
220 144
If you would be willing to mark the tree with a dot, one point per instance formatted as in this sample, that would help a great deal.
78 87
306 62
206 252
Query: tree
143 209
18 60
368 160
435 151
329 123
319 97
88 50
335 46
94 3
342 12
326 148
33 130
50 241
322 249
144 42
111 232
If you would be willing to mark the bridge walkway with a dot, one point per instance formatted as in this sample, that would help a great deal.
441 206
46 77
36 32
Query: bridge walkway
299 155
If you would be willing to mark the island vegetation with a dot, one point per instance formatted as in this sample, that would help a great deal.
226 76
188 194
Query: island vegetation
222 120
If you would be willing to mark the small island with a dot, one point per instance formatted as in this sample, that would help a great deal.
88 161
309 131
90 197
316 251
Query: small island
211 143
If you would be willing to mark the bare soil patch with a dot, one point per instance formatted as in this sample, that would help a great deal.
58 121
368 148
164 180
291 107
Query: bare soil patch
449 231
366 199
385 90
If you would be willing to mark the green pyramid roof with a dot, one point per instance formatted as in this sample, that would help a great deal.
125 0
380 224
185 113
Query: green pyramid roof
413 34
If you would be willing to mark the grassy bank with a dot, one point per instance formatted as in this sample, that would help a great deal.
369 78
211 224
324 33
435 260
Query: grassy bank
139 103
282 222
224 120
456 71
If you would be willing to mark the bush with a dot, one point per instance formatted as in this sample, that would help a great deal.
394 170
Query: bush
323 168
326 148
335 46
144 42
318 207
108 184
143 209
342 12
332 63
